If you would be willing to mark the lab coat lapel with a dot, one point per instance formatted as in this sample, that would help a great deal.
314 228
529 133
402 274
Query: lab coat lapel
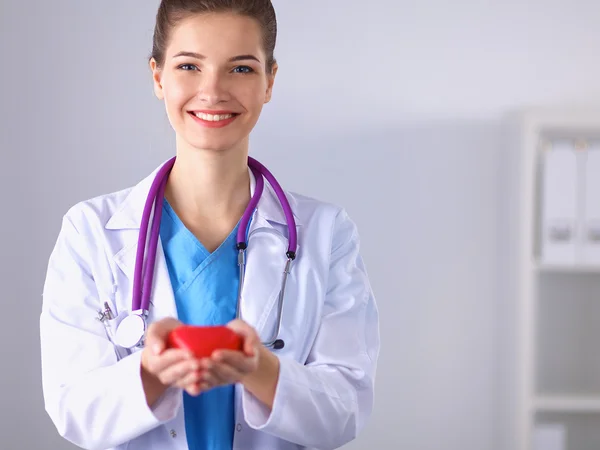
265 262
127 220
162 299
265 256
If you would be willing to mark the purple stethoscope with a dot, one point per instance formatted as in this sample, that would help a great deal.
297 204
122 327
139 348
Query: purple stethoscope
130 331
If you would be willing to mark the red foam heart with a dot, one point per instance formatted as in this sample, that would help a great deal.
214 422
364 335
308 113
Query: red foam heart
202 341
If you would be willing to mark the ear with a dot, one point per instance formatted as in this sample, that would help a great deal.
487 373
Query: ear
156 78
270 83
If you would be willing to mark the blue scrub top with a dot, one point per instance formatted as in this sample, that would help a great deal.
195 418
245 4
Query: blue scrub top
205 286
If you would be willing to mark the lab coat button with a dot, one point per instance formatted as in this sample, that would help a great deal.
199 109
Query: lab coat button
239 427
173 434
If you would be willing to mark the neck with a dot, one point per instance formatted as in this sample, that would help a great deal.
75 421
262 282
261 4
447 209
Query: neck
209 187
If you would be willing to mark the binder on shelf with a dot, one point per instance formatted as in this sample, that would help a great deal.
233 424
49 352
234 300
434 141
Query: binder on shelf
559 204
591 200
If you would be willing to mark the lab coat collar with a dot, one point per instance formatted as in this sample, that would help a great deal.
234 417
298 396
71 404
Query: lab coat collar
265 255
129 214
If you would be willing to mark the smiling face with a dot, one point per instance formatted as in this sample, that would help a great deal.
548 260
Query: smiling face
214 81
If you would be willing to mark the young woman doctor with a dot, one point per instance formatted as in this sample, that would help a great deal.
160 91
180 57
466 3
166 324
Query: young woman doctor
212 65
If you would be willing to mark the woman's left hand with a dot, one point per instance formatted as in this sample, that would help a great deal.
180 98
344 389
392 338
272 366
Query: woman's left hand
227 367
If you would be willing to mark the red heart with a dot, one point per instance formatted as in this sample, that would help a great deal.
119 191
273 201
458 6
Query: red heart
202 341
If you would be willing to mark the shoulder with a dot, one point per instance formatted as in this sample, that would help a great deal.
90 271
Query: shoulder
83 240
94 213
328 217
309 209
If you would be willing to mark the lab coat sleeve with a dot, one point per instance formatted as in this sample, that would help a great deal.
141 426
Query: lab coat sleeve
95 401
326 402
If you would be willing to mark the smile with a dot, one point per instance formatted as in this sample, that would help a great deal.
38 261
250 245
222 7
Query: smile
213 120
213 117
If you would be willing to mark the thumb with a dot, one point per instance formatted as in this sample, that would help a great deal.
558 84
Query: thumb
248 334
158 332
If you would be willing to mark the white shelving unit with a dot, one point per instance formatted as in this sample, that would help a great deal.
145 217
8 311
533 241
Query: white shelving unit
565 404
557 306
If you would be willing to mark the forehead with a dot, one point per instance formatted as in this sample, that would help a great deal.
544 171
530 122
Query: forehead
222 34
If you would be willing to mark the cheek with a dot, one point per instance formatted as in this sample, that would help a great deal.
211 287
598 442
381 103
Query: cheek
253 96
177 94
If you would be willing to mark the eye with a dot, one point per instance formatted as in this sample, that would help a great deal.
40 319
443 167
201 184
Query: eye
187 67
243 69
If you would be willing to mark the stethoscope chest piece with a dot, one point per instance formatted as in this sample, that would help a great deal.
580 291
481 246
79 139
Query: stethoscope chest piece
131 330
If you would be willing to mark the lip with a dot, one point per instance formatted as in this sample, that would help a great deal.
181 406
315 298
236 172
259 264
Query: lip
211 124
211 111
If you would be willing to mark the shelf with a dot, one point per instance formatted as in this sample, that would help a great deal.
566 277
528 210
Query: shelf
567 330
567 268
566 403
557 324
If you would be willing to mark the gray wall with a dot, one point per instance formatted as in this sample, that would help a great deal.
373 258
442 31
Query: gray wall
392 110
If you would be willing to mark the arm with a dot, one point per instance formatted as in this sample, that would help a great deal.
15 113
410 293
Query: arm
326 402
94 400
153 388
262 384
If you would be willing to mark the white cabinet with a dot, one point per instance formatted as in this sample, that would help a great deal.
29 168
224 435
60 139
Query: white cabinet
552 263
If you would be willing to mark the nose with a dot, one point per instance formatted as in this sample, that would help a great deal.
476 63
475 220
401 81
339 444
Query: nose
213 88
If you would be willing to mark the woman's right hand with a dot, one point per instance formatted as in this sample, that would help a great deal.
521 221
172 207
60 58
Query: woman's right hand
162 368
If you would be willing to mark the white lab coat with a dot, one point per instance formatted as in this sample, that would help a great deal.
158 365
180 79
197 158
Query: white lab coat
324 395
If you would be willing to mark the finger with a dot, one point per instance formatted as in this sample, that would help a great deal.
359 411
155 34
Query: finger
199 384
193 378
208 379
239 362
249 335
240 327
158 332
251 346
175 372
194 389
156 364
222 374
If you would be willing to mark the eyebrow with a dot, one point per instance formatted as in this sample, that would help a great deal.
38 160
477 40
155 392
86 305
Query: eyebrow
201 57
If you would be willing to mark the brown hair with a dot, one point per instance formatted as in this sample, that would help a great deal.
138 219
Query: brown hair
171 12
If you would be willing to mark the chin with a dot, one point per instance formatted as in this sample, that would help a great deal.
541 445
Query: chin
212 145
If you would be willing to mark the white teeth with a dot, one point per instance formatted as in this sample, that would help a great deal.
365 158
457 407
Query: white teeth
213 117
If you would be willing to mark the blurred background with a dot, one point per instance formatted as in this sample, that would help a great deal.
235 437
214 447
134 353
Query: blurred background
396 110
